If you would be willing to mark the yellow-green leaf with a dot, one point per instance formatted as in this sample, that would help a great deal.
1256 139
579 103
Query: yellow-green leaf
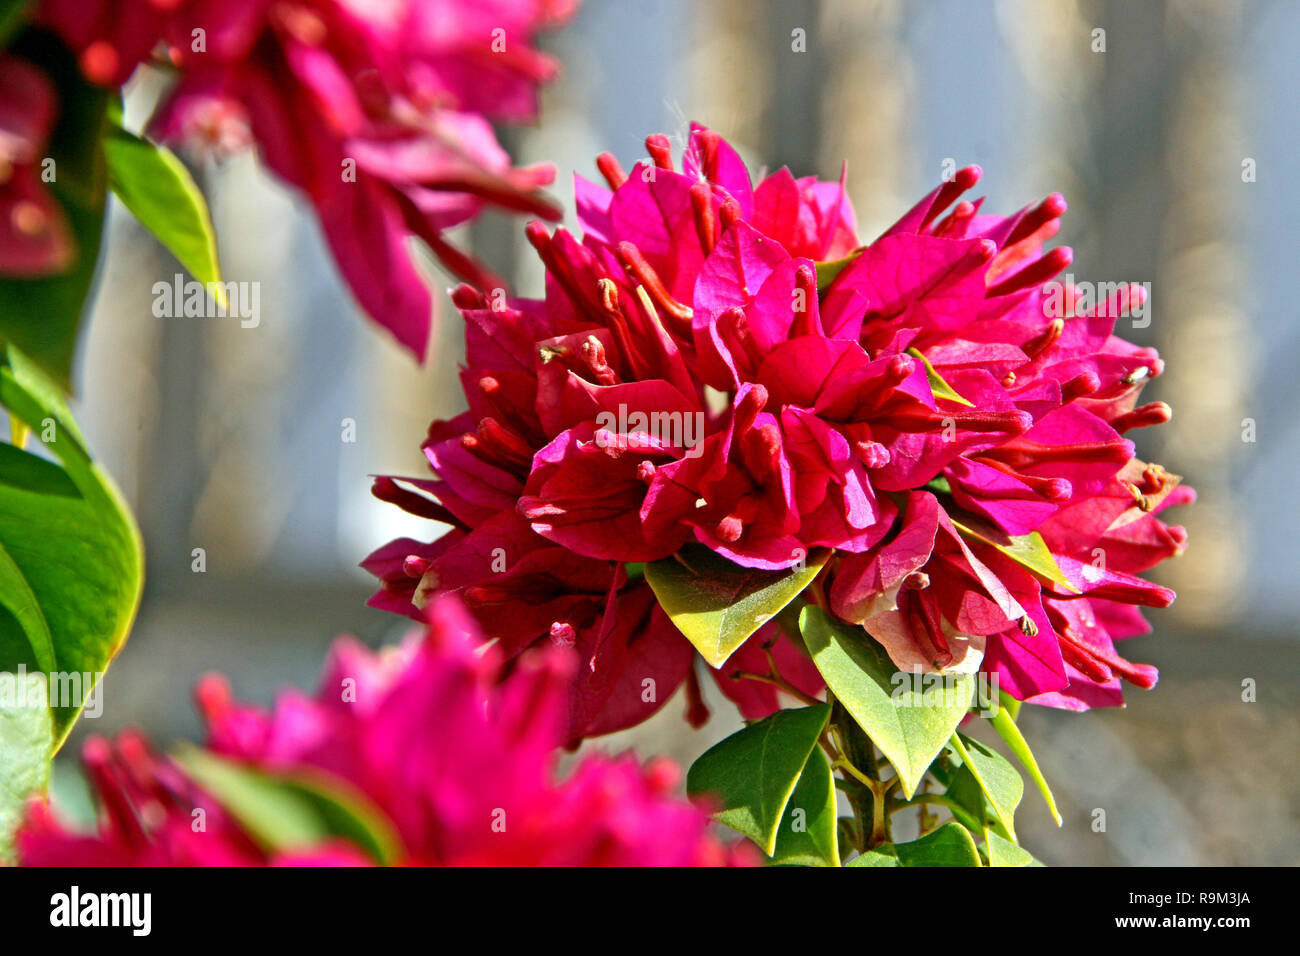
71 561
998 782
162 195
718 604
1002 852
909 720
26 748
1004 723
938 386
1028 550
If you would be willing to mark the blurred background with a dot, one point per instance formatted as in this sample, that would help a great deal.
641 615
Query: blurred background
1168 125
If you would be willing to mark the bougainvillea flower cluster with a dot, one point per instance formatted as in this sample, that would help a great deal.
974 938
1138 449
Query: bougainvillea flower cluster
913 403
379 113
460 765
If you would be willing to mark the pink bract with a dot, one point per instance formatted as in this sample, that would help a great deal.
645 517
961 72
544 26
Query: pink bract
912 403
379 113
459 762
34 236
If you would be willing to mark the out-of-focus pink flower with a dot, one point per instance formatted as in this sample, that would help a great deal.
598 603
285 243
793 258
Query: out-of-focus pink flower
34 236
147 810
110 37
461 763
379 113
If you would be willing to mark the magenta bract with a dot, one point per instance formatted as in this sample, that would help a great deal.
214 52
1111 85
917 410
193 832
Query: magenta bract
460 762
914 404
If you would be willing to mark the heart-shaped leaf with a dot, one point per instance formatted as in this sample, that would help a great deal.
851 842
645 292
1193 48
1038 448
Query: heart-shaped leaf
748 778
910 717
718 604
26 748
288 812
808 834
163 197
71 562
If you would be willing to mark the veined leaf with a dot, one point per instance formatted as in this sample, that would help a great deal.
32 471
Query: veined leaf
808 834
163 197
718 604
949 845
883 855
998 782
1005 853
749 777
26 748
909 723
71 561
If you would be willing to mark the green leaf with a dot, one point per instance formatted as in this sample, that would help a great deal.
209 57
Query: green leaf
1006 727
71 561
41 316
909 723
828 271
26 748
162 195
293 811
718 604
998 782
938 386
939 485
1028 550
883 855
808 833
949 845
750 776
962 795
1009 704
1005 853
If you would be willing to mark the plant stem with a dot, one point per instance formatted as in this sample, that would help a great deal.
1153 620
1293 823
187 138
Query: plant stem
776 680
921 799
879 794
